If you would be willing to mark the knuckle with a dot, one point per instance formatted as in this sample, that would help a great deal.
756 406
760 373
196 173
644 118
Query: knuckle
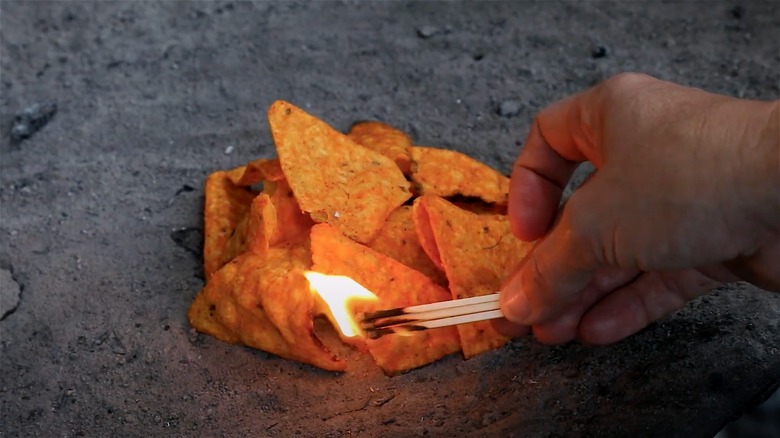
540 291
584 233
624 87
538 286
626 81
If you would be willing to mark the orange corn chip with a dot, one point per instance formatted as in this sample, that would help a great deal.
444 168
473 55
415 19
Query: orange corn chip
264 301
477 251
333 178
293 224
274 218
216 312
422 225
256 172
262 225
446 173
386 140
398 240
201 316
236 244
225 207
396 285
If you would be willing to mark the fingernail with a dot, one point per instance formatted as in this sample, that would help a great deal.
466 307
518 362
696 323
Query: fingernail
514 302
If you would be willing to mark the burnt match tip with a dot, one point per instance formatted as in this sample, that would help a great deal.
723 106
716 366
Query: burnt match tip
376 324
370 316
376 333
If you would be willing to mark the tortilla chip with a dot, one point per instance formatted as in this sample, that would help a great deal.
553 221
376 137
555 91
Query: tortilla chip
477 251
293 224
396 285
226 205
333 178
448 173
265 301
398 239
386 140
236 244
256 172
262 225
201 316
274 218
422 225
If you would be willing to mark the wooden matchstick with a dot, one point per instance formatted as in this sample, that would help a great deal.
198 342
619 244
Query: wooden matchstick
491 298
427 316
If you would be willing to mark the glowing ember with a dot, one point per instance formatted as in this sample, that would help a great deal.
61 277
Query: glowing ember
338 291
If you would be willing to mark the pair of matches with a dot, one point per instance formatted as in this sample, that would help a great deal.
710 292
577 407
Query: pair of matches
428 316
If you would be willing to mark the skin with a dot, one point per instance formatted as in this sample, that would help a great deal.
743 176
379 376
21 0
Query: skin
686 197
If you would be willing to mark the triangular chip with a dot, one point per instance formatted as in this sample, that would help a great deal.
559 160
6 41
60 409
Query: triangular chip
386 140
446 173
264 301
293 224
236 244
477 251
398 239
216 312
256 172
226 205
396 285
201 316
274 218
262 225
333 178
422 225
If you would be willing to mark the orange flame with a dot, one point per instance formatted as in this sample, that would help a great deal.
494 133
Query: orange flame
338 291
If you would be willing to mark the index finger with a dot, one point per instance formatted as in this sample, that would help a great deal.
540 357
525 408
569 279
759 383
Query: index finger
563 135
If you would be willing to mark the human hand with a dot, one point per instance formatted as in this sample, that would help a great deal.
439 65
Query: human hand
686 196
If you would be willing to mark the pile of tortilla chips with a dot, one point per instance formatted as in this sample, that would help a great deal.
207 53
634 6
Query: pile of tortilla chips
412 224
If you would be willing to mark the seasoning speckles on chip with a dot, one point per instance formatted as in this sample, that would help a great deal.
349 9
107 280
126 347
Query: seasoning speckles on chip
386 140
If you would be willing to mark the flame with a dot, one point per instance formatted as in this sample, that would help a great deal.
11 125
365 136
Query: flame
338 291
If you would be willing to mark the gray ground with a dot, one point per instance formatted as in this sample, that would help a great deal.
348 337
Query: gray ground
101 210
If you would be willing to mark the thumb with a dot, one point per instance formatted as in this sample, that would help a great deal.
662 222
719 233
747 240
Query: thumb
559 266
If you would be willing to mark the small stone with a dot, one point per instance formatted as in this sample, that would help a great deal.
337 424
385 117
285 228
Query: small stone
190 239
9 293
599 52
427 31
229 150
31 120
509 108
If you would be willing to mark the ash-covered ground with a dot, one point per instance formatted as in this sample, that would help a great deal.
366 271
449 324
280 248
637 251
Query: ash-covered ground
113 113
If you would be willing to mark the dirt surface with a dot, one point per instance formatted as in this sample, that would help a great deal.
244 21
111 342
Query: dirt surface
101 210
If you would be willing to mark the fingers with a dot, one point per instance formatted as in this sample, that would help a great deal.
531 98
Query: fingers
538 178
509 329
533 201
647 299
564 328
562 136
558 267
